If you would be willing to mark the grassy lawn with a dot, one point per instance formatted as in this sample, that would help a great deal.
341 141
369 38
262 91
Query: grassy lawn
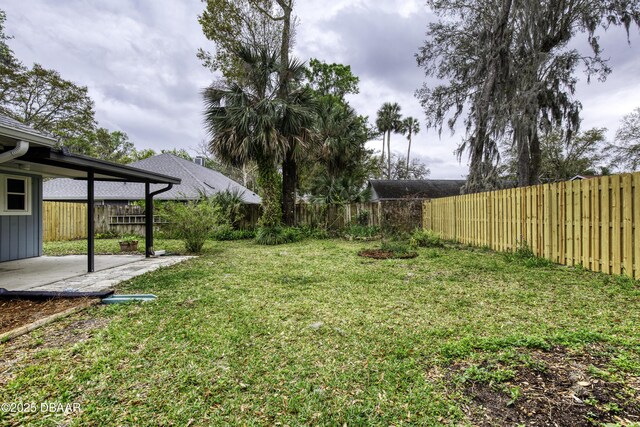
111 246
311 334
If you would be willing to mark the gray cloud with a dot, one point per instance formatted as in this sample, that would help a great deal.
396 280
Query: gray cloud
138 60
380 45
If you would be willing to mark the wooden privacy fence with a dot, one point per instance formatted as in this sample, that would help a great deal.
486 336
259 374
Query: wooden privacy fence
593 222
64 221
68 221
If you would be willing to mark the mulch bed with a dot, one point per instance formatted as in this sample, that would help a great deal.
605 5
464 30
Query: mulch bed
382 254
18 312
561 394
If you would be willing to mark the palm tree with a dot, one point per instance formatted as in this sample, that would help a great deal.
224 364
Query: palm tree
338 165
248 121
410 126
388 120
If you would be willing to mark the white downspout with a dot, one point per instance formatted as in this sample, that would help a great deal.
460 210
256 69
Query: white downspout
20 149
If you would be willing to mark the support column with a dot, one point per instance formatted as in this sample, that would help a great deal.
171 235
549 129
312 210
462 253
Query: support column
90 222
148 220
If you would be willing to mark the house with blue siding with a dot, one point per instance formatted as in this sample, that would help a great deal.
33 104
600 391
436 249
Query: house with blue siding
27 157
20 192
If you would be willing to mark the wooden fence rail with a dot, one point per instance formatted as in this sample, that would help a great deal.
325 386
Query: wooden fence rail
593 222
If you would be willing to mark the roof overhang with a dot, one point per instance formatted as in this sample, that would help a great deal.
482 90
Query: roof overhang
60 162
14 134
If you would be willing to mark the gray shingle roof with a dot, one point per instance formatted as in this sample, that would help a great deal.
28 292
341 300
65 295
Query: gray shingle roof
415 189
196 179
13 125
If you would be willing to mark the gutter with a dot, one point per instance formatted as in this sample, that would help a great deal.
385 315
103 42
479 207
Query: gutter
20 149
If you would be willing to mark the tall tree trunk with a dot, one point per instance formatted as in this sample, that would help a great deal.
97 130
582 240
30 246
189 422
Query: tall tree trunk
388 154
529 152
524 159
408 154
480 143
289 165
289 182
268 181
536 158
384 142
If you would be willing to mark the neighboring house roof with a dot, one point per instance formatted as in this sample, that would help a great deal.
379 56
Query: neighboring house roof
581 177
196 180
13 129
414 189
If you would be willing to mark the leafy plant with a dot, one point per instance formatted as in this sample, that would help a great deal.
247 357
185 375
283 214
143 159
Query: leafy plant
524 255
358 231
128 238
488 375
426 239
309 232
399 248
231 204
192 222
226 232
277 235
514 395
108 235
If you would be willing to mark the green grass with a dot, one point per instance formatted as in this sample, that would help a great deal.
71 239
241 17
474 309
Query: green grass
311 334
111 246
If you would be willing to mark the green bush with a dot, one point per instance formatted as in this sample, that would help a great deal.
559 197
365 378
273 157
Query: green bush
108 235
426 239
231 206
359 231
226 232
399 248
192 222
525 256
277 235
309 232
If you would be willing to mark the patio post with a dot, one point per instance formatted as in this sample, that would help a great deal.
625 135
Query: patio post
148 220
90 224
148 215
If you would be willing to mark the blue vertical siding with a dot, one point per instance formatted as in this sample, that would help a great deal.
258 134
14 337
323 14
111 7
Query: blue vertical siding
21 235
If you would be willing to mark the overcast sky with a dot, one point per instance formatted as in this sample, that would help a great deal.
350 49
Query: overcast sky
138 59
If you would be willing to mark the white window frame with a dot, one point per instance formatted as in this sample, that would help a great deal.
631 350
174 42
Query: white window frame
4 211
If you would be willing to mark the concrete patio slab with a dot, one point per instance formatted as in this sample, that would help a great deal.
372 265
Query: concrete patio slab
68 273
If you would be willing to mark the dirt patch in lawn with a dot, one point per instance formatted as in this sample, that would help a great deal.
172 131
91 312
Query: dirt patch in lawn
66 332
555 388
382 254
18 312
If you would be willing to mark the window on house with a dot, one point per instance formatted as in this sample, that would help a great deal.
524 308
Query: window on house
15 195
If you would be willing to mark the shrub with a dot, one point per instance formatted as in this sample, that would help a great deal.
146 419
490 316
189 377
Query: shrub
359 231
226 232
426 239
399 248
362 218
231 206
192 222
525 256
108 235
310 232
277 235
